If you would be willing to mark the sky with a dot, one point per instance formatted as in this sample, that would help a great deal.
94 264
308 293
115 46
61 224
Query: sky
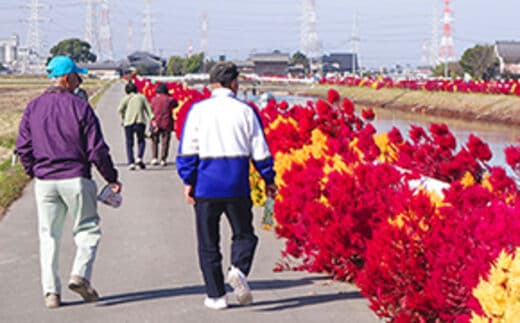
391 31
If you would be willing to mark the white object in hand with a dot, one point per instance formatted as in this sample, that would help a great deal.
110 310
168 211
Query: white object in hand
108 197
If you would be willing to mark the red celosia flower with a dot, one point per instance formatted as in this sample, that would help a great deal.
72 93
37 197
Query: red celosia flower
395 136
513 157
348 106
333 96
368 114
478 148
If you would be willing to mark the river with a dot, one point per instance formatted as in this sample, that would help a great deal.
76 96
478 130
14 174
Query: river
497 136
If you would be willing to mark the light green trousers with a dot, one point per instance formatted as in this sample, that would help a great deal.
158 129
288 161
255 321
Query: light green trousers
55 199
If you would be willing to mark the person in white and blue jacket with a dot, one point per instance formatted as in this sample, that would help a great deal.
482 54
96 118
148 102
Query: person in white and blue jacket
221 136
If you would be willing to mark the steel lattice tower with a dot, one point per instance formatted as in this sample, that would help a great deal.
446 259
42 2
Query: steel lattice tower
90 32
130 46
447 52
34 42
105 34
148 44
433 60
32 61
310 42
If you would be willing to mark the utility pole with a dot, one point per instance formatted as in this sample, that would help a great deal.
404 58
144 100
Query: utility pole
447 52
355 45
204 35
148 44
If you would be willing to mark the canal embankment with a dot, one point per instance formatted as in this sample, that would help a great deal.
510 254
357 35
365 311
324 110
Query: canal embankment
502 109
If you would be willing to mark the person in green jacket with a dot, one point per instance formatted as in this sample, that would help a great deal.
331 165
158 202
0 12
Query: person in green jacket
135 111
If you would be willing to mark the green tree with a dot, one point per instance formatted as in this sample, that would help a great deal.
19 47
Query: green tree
480 61
142 69
193 64
300 58
77 49
175 64
454 70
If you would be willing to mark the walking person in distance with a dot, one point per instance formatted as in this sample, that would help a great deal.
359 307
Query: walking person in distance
135 111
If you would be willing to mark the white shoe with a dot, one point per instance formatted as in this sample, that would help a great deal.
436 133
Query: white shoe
154 162
131 167
238 281
163 163
217 303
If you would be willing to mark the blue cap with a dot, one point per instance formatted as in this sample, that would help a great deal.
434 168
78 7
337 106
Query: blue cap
62 65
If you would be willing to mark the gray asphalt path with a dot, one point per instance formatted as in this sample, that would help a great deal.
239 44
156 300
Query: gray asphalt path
146 269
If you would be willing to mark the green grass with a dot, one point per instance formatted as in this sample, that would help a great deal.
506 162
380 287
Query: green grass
95 99
12 183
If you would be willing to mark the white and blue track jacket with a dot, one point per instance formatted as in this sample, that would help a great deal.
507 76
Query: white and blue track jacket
220 136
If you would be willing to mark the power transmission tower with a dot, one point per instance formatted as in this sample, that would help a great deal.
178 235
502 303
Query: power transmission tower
204 35
105 34
310 42
355 44
447 52
32 61
90 32
434 44
148 44
130 47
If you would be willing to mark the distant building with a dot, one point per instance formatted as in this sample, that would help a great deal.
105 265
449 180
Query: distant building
340 63
508 53
153 63
105 70
9 50
246 67
275 63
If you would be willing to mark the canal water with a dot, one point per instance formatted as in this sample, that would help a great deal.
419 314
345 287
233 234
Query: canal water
497 136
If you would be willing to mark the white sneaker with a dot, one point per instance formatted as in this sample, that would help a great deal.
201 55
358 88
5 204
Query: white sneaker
163 163
154 162
131 167
217 303
238 281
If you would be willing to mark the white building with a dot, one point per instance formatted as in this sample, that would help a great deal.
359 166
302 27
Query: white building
9 50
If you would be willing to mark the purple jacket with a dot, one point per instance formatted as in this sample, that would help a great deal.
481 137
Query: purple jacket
60 138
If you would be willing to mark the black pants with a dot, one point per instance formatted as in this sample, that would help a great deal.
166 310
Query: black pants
240 217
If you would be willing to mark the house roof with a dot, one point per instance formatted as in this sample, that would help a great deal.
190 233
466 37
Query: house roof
509 51
343 60
275 57
102 66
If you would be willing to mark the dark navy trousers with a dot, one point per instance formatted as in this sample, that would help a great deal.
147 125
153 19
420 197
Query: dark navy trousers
137 129
239 214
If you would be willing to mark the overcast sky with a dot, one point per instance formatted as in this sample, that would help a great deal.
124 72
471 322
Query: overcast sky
391 31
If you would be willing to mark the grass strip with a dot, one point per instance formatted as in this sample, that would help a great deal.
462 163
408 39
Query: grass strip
12 183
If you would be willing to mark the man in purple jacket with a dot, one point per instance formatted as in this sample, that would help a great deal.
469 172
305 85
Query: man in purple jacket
59 139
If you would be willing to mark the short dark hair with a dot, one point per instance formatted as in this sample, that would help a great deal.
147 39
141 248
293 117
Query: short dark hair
223 73
161 88
130 88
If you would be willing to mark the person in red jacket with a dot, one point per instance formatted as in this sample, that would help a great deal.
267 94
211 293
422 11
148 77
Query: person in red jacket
162 123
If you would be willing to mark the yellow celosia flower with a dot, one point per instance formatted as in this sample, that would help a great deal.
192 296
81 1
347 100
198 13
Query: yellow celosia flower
499 295
468 180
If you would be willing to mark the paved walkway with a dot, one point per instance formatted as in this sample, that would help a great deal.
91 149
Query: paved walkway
146 269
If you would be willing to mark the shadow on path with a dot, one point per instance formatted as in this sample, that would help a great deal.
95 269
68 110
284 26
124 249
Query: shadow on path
293 302
117 299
